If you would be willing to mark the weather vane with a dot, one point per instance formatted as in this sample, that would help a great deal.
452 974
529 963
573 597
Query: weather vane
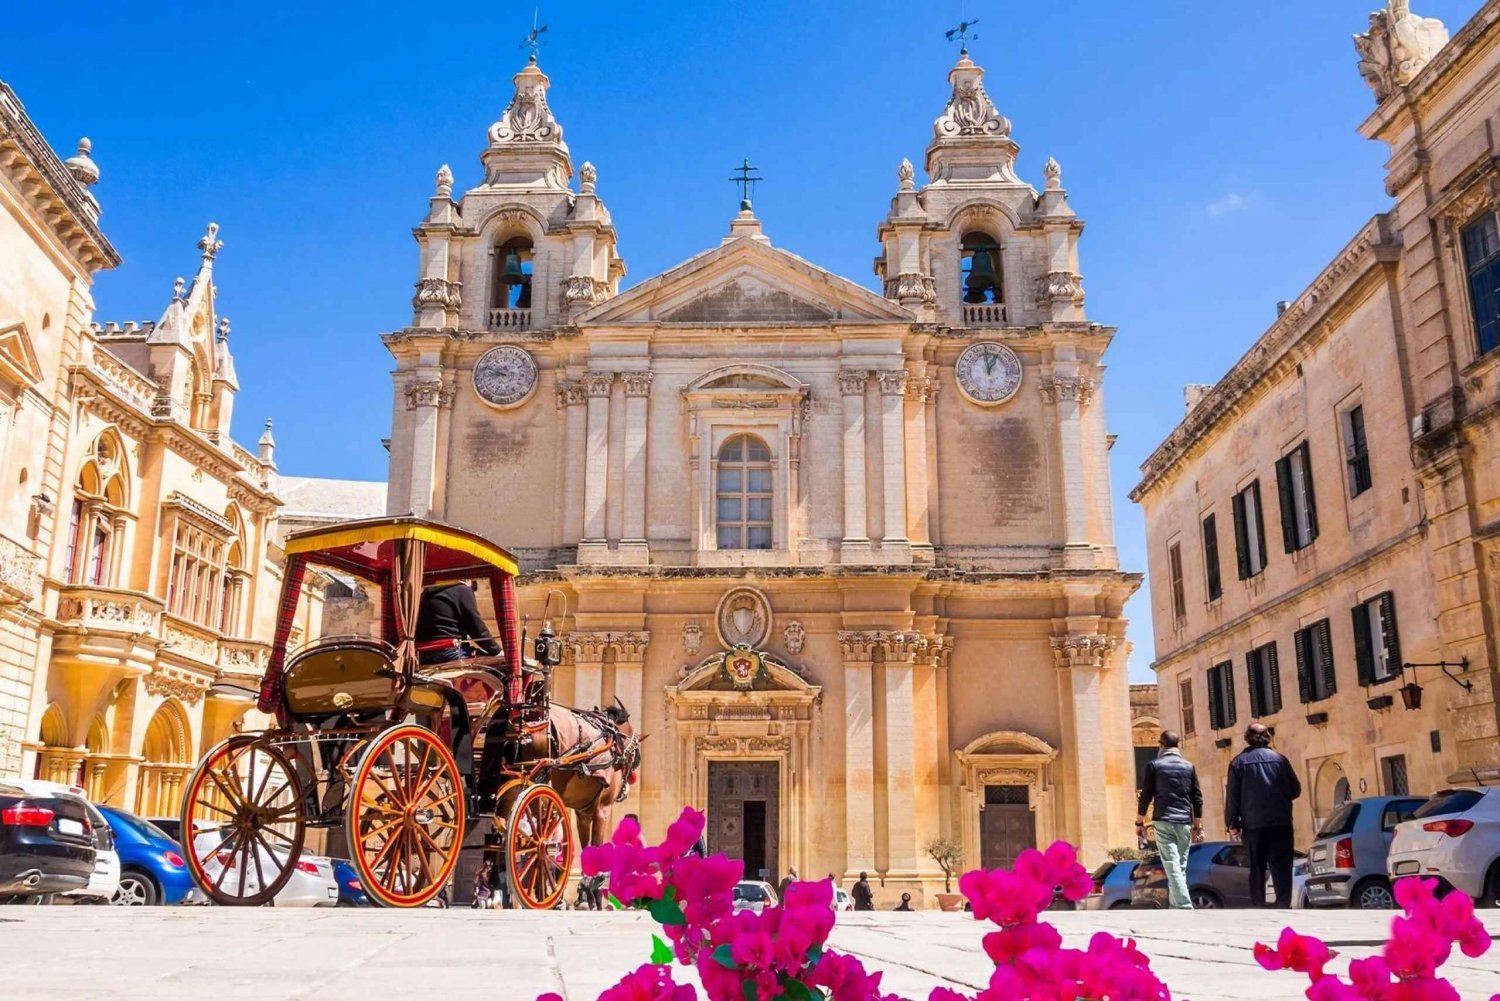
746 182
534 37
963 34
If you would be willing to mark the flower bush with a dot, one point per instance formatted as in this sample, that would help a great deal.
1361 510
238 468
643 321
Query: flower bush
782 952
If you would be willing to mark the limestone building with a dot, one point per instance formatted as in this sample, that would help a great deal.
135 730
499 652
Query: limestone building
137 557
846 556
1325 515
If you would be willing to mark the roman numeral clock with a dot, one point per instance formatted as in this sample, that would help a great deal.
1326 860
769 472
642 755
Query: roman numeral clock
988 373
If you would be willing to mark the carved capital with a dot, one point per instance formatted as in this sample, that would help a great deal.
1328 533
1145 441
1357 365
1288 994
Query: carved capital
582 290
911 286
1068 388
921 388
637 383
570 393
852 381
438 292
428 393
893 381
598 383
1059 286
1082 651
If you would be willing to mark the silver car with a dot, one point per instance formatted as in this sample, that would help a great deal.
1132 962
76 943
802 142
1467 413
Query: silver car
1346 864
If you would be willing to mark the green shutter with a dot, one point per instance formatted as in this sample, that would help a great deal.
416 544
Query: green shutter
1260 521
1211 558
1312 501
1363 657
1252 681
1328 677
1388 629
1302 644
1213 699
1288 505
1271 700
1241 536
1230 716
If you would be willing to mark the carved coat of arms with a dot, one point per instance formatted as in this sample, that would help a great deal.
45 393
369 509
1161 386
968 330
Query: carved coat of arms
743 667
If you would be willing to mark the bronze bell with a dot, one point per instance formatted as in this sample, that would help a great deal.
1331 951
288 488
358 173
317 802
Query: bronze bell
513 270
981 277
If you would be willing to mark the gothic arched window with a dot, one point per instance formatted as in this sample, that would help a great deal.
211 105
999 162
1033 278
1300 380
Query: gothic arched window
742 494
513 260
981 269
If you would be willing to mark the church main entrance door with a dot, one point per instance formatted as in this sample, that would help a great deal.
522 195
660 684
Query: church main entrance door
1007 827
744 815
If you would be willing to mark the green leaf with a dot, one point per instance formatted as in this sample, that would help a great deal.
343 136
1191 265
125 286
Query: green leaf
614 901
751 992
661 952
666 912
814 954
724 956
796 990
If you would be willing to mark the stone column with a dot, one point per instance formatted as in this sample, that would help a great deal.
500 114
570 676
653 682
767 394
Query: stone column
597 385
630 656
587 650
633 547
896 545
571 399
1081 657
917 513
1071 393
859 752
900 755
425 397
856 543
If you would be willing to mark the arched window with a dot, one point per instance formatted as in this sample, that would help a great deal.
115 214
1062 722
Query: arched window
981 269
742 495
97 521
513 260
165 753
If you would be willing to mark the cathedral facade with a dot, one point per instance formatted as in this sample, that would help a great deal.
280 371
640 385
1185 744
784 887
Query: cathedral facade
846 556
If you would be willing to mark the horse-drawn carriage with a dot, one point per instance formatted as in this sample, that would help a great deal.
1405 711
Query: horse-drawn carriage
408 759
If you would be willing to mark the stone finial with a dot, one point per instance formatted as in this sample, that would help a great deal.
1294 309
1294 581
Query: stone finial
178 285
210 244
267 445
905 173
223 330
588 175
528 119
1052 170
84 170
1397 46
444 182
970 112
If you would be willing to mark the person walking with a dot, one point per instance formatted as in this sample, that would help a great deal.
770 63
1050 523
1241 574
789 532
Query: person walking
864 897
786 882
1170 787
1258 809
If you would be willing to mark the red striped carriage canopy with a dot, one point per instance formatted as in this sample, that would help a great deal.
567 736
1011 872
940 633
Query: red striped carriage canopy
400 556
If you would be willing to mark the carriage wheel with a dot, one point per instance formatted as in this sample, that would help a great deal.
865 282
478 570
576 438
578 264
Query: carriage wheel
405 817
248 790
538 848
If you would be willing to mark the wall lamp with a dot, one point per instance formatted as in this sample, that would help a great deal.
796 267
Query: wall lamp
1411 692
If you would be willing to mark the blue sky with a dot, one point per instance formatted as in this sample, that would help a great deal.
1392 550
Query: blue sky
1210 146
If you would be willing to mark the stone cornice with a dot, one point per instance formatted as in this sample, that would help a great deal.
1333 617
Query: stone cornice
1462 49
1374 244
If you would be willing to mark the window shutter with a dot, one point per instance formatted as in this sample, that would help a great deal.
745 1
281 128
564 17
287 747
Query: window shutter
1271 700
1213 699
1388 627
1328 677
1260 521
1211 557
1229 714
1307 480
1253 682
1363 658
1306 661
1241 536
1288 506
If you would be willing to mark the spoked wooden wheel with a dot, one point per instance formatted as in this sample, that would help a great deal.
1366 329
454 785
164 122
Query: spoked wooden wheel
243 822
406 817
538 848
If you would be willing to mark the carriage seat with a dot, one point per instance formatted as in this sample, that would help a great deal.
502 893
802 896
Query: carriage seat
341 674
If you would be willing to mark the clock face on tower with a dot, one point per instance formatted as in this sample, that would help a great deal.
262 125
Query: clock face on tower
505 376
988 373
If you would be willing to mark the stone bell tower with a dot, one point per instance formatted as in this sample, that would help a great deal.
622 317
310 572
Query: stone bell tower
978 246
520 250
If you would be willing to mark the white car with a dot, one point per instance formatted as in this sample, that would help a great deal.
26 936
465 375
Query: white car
753 895
105 879
841 899
1455 837
312 883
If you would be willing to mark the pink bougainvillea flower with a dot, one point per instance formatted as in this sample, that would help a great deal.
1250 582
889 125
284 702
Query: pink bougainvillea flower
1301 953
1006 945
683 833
648 983
1415 951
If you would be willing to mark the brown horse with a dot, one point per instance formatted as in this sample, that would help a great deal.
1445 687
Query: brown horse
608 760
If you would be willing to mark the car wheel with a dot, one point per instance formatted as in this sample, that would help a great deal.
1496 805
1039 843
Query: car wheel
1120 905
1206 900
1372 895
136 890
1491 895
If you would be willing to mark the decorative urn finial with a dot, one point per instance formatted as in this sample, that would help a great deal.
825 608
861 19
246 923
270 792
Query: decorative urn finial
905 173
1052 170
178 285
84 170
588 175
444 182
210 244
223 329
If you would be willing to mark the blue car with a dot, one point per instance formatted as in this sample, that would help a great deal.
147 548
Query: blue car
152 869
351 892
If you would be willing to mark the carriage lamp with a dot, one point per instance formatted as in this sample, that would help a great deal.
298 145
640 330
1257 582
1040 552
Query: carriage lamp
1411 692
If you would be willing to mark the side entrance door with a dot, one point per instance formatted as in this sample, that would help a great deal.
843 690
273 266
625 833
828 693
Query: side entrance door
1007 827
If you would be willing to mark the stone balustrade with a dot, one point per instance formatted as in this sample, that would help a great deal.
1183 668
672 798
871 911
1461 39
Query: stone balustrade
984 314
107 608
124 380
189 640
510 319
20 573
243 661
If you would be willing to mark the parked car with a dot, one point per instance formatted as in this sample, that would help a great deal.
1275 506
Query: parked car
1347 862
1111 887
46 844
312 883
351 890
1218 875
105 879
1454 836
841 899
152 869
753 895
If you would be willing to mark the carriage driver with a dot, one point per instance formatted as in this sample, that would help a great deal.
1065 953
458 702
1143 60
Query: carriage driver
449 626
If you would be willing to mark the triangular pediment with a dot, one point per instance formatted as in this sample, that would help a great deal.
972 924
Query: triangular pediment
18 364
746 282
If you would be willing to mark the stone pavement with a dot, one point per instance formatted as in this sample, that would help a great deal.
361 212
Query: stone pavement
225 954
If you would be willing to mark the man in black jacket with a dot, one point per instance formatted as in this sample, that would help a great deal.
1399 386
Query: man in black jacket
448 623
1170 787
1258 807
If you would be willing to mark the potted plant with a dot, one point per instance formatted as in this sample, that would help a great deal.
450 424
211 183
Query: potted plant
949 855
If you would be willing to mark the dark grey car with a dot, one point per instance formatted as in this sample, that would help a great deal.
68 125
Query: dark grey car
1346 864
